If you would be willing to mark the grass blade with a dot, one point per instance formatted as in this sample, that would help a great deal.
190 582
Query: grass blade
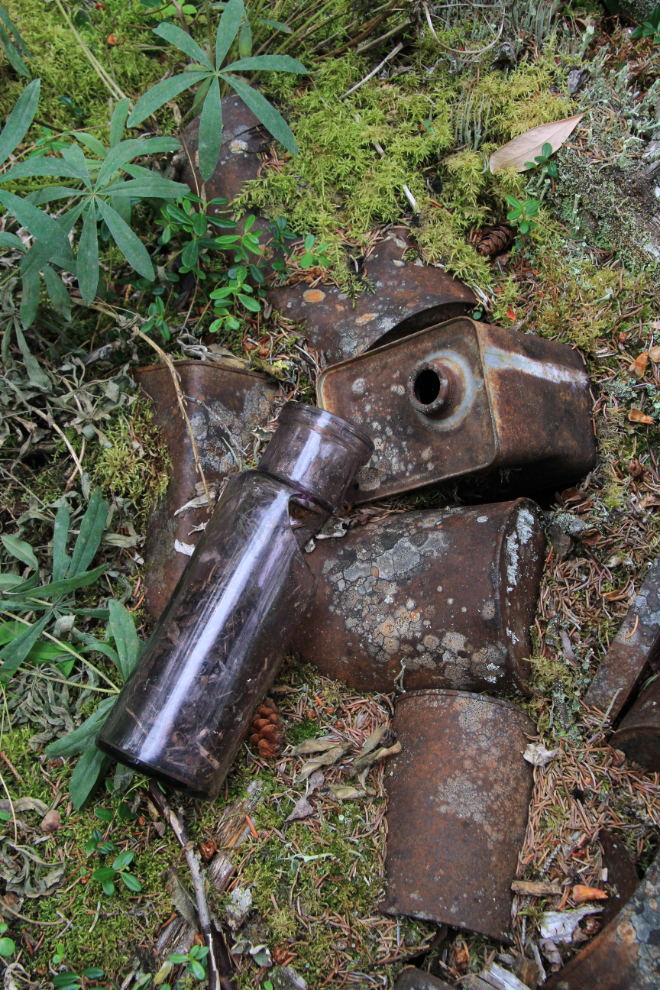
91 531
60 533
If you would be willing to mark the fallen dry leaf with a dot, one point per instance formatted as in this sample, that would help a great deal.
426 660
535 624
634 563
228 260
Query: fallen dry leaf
344 792
536 888
637 416
582 894
302 809
315 782
527 146
561 925
321 761
366 761
638 367
538 755
654 354
375 739
319 745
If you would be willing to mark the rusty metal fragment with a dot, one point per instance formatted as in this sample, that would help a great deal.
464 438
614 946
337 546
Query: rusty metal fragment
622 880
639 733
406 298
625 955
462 398
446 595
416 979
224 407
459 795
243 137
634 648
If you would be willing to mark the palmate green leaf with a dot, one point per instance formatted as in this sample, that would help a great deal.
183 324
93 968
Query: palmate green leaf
21 550
57 293
122 204
90 768
76 156
32 366
65 587
162 93
177 37
245 39
267 63
118 122
11 53
162 145
88 256
39 254
39 224
31 287
126 639
15 652
275 25
228 27
117 157
266 113
20 119
60 533
91 532
50 194
128 243
18 41
12 242
154 186
91 142
44 166
210 131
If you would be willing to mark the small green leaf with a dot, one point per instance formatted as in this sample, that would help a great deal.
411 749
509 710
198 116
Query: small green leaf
108 887
15 652
228 27
131 882
93 973
40 225
103 814
267 114
57 293
82 738
245 39
197 969
19 120
90 534
123 860
276 25
162 93
118 121
21 550
190 254
90 768
128 243
250 304
122 628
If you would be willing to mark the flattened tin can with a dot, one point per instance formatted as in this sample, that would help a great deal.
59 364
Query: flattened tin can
639 733
416 979
459 794
625 955
224 407
634 648
463 398
446 596
406 298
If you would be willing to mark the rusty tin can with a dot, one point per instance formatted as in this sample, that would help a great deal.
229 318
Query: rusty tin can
224 407
416 979
639 733
406 298
459 794
462 398
446 596
634 648
625 955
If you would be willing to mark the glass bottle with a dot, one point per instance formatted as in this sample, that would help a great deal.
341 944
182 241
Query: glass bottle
184 712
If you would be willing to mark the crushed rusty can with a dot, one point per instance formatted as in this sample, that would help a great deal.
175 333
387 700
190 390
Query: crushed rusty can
633 651
625 955
639 732
224 407
464 398
459 794
416 979
406 297
442 598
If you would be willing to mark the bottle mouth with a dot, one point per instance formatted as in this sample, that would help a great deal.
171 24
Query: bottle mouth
340 430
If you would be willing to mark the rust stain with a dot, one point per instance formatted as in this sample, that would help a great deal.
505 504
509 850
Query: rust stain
634 647
366 318
441 598
459 795
313 296
513 402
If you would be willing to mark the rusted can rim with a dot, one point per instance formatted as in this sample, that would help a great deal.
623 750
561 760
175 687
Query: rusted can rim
449 693
192 362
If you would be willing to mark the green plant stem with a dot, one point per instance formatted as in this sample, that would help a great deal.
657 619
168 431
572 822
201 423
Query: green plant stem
73 684
209 29
108 82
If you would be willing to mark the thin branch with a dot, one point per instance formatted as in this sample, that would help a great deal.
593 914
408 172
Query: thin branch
111 85
395 51
461 51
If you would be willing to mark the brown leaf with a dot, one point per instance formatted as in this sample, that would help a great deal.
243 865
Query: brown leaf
302 809
637 416
582 894
536 888
638 367
654 354
319 745
527 146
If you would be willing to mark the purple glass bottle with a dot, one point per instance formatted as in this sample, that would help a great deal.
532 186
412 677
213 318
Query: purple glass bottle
184 712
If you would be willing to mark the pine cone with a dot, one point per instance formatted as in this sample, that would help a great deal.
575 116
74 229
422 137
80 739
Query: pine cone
267 732
493 240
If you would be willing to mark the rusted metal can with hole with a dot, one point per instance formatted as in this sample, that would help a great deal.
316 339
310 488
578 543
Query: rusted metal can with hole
459 794
464 398
625 955
442 598
406 297
639 733
224 407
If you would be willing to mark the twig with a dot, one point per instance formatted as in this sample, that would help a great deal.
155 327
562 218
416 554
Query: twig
11 805
384 37
111 85
181 400
53 425
220 969
395 51
30 921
